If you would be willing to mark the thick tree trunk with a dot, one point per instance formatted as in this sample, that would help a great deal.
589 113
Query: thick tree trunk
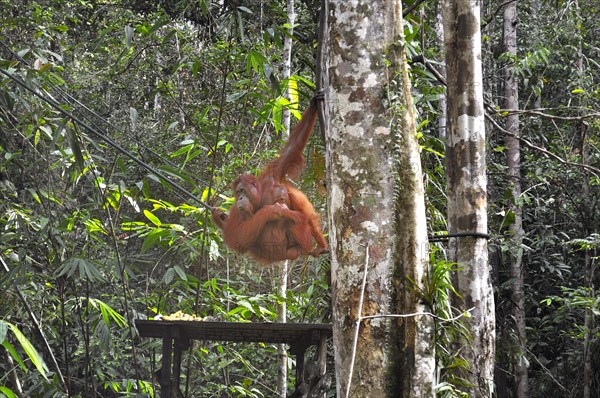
377 215
467 202
511 92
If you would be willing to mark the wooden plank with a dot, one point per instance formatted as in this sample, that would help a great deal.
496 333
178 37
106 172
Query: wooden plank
299 336
305 334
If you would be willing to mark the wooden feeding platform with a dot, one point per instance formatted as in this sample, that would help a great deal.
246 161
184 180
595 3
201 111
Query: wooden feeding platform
176 336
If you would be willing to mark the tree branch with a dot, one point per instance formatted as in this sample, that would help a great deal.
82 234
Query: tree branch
534 112
491 17
411 8
538 112
594 170
430 67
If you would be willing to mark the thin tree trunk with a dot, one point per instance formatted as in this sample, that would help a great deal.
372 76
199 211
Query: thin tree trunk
416 351
282 358
12 375
439 31
589 320
283 271
511 92
180 100
467 191
287 58
589 324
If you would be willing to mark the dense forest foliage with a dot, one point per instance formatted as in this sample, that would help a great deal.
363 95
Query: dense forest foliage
119 119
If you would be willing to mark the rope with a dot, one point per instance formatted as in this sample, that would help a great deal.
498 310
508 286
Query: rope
445 238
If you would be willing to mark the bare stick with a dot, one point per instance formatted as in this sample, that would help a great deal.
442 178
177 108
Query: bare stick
358 320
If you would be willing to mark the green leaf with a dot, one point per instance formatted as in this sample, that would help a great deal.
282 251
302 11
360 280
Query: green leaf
132 225
76 149
152 218
85 268
547 301
196 66
184 149
60 28
235 96
154 237
169 36
169 275
245 9
7 392
255 61
162 21
31 352
180 272
35 195
13 353
108 313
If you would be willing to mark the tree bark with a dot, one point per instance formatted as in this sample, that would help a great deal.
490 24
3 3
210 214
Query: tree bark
467 202
439 32
415 351
377 213
513 154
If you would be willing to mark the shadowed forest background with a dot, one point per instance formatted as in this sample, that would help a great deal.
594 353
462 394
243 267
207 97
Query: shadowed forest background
169 101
